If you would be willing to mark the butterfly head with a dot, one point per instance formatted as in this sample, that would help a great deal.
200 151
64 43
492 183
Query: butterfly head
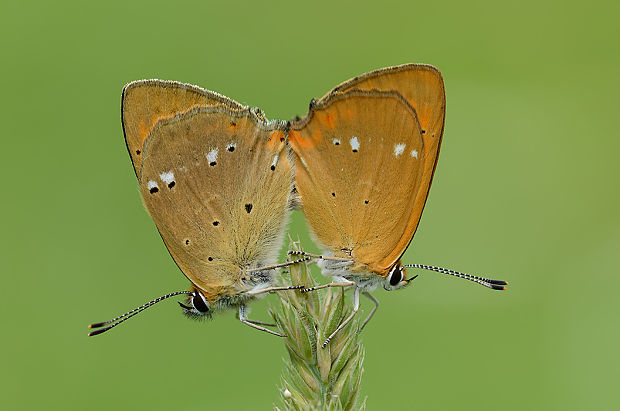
197 305
396 278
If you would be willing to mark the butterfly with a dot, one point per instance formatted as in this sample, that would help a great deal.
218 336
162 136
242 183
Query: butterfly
216 178
364 157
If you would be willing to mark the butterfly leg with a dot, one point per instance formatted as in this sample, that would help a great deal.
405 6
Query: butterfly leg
319 256
253 324
356 306
318 287
272 289
286 264
374 309
260 323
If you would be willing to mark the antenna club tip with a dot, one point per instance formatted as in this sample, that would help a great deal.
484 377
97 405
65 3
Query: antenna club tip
90 326
89 334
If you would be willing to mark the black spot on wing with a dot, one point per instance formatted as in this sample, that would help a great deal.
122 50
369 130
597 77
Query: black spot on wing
248 207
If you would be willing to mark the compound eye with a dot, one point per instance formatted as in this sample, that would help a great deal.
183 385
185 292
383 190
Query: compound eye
396 277
199 302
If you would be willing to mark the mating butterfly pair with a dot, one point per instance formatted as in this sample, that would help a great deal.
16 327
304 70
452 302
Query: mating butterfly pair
219 180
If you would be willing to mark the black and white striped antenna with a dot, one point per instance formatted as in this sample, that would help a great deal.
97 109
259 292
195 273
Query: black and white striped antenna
487 282
108 325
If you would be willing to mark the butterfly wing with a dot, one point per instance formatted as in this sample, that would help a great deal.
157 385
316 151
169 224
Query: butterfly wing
421 85
360 160
217 184
144 102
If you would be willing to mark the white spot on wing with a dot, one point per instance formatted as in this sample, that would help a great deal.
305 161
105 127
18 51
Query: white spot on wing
399 149
336 141
212 156
152 184
355 144
414 153
167 177
275 160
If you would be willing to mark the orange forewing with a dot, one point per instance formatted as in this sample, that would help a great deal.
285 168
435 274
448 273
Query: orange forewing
145 102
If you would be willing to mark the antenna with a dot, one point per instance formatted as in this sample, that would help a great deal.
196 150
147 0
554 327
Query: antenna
121 318
487 282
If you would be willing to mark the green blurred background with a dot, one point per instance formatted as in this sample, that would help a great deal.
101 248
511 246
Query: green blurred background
526 190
